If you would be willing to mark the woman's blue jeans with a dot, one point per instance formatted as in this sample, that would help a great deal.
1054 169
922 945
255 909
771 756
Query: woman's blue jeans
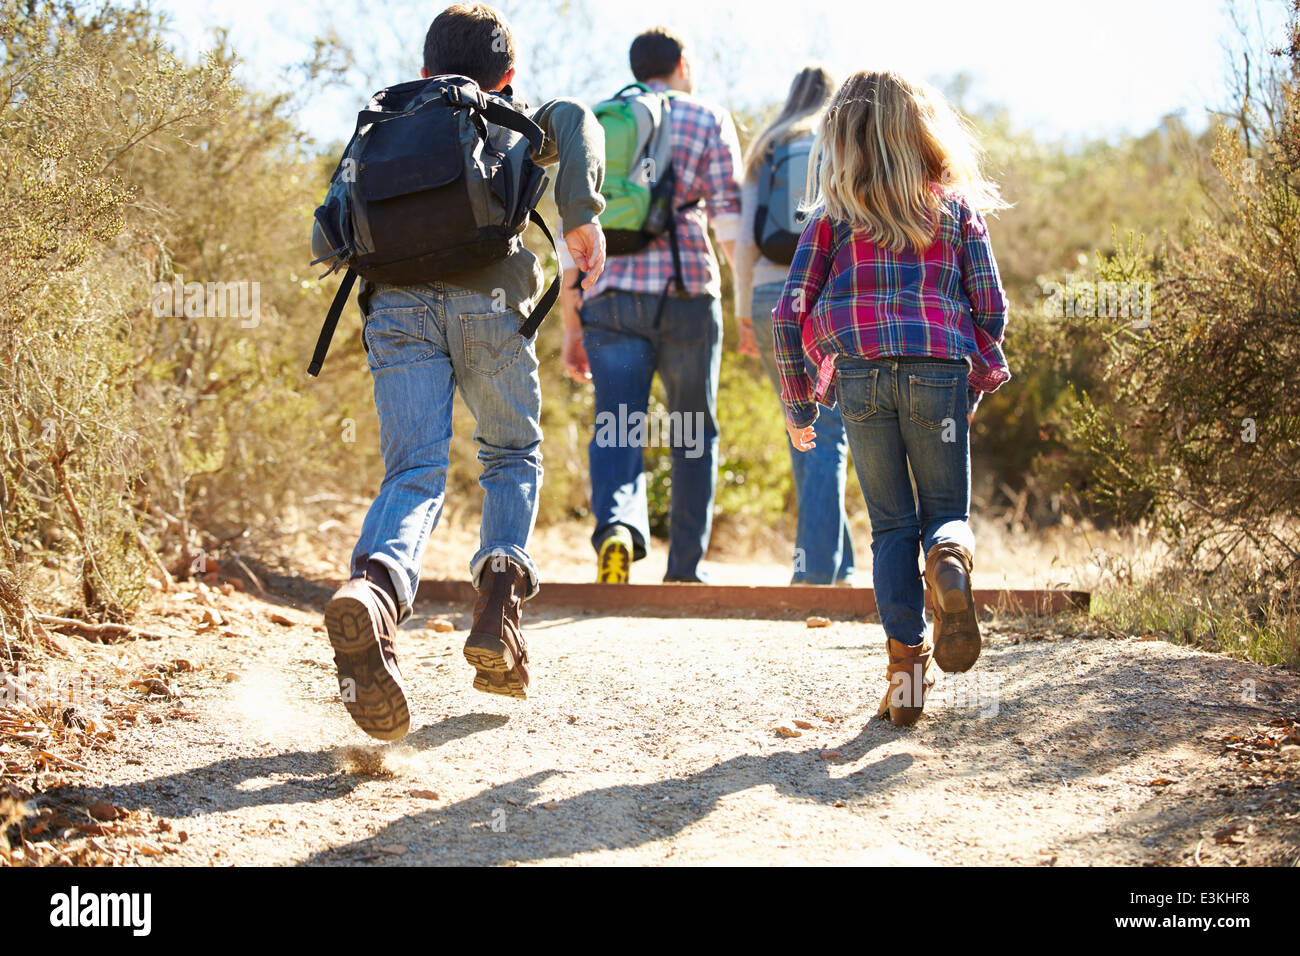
823 546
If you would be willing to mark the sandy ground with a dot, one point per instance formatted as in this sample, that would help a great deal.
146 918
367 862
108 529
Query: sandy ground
649 741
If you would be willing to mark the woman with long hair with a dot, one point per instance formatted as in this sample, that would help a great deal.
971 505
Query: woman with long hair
823 547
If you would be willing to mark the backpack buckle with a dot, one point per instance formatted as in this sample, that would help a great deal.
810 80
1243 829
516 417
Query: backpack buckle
456 96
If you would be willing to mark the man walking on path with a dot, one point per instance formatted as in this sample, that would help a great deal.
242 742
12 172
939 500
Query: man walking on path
635 321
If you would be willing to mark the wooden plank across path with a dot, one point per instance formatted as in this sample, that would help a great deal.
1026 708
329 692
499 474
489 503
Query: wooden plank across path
709 600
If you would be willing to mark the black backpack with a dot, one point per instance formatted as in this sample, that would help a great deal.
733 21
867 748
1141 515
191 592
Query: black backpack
438 178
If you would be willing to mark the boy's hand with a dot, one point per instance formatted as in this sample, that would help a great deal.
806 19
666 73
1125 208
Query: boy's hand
575 356
748 345
587 246
803 438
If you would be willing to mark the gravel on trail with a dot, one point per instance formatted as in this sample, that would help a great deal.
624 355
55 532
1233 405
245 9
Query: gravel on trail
688 741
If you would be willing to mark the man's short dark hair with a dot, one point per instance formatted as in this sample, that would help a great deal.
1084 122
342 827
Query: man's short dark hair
471 39
655 54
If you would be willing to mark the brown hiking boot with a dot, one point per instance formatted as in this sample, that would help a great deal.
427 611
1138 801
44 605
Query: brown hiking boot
362 621
956 627
496 644
909 681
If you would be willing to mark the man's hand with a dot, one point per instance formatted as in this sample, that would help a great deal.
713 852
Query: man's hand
587 246
803 439
747 344
573 352
575 357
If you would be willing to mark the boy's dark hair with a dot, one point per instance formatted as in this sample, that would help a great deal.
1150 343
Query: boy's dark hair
471 39
655 54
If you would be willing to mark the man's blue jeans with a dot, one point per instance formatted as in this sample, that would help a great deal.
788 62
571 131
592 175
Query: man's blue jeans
423 342
625 347
901 414
823 545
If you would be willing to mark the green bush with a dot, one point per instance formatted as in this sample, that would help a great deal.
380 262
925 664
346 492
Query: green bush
134 440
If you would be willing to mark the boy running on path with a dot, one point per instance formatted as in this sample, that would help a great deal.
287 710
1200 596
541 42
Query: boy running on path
423 343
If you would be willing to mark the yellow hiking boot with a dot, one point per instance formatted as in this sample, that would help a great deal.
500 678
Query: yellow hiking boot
614 559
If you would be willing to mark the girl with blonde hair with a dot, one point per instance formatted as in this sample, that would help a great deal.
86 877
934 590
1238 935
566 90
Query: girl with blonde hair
894 300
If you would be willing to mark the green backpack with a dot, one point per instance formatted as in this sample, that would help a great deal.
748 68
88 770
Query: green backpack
639 178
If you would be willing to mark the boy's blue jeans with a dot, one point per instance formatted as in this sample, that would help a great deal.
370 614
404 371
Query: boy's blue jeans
824 547
901 414
625 347
423 343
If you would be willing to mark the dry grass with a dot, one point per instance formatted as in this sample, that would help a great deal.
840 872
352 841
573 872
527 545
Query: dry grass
1235 606
1226 612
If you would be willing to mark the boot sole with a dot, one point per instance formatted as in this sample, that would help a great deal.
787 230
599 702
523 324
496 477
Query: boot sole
602 577
957 641
379 705
494 666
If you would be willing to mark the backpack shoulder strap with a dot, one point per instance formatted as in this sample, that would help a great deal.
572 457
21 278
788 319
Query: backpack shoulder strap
547 301
661 144
331 322
496 111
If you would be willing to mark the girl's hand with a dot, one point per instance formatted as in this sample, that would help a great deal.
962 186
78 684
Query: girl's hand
803 439
747 344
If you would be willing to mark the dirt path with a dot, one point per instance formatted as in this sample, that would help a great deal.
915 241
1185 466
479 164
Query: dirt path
654 741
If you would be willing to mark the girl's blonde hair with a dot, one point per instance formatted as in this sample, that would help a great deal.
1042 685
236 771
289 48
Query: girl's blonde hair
883 146
810 91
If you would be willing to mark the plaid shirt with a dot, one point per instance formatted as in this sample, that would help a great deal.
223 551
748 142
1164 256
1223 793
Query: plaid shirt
706 159
846 295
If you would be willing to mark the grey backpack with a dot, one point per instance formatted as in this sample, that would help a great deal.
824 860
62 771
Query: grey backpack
782 182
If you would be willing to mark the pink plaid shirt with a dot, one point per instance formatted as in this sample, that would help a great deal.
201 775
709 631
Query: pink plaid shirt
847 296
706 158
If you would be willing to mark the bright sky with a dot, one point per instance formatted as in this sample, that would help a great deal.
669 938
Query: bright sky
1064 69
